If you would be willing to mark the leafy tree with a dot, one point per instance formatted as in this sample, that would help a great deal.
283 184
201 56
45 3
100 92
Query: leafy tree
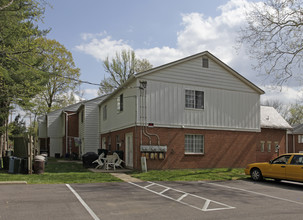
20 79
63 77
274 35
120 68
17 127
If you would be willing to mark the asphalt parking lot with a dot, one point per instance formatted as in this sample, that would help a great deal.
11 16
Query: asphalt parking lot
241 199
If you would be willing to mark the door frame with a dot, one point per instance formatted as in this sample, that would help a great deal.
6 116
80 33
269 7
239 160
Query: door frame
129 146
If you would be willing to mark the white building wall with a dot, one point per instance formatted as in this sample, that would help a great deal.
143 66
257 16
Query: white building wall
223 109
42 127
118 120
91 125
55 132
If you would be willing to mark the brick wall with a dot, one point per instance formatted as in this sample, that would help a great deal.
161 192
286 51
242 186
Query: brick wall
221 148
73 131
293 143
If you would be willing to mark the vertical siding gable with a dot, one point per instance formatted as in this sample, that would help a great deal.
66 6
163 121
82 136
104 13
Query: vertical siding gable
191 72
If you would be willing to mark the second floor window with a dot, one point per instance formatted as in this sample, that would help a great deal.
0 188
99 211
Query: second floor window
194 99
105 112
120 103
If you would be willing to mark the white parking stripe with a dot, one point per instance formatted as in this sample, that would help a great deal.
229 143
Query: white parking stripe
257 193
205 207
95 217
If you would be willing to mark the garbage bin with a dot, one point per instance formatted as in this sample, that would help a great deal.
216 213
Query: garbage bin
17 165
5 163
45 157
11 165
24 166
88 159
39 164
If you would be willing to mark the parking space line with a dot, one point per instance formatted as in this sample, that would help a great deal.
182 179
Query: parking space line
257 193
94 216
205 207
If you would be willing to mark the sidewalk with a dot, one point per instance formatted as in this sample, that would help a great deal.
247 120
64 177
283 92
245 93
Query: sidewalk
125 177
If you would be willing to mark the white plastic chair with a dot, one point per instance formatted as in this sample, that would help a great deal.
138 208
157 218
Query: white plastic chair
99 161
115 161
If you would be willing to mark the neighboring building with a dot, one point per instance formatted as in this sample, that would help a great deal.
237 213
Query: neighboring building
273 137
73 129
295 139
192 113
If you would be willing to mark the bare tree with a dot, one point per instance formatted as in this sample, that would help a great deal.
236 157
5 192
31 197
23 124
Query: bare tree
274 35
120 68
279 106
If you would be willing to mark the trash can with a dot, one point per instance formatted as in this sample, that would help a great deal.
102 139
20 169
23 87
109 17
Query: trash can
45 157
24 166
17 165
11 165
88 159
39 164
5 163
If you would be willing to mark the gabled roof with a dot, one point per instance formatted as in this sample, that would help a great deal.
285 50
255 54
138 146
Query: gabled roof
270 118
210 56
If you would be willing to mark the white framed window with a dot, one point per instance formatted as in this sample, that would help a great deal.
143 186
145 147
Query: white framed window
120 103
205 62
194 99
104 112
300 139
268 146
262 146
194 144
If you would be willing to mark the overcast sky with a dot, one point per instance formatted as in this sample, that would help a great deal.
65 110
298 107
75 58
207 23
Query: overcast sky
160 31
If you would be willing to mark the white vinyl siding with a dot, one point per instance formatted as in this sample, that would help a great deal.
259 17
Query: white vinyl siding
125 118
223 109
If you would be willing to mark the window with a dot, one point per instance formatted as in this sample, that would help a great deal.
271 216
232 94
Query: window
105 112
297 160
109 145
194 99
262 146
194 144
82 116
120 103
300 139
269 146
205 62
117 142
281 160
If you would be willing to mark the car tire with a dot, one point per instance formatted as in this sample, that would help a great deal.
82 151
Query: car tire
256 174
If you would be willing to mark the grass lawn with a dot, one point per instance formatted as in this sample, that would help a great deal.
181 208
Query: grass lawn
192 175
59 172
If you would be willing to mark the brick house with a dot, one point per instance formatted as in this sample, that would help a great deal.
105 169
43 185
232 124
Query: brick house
295 139
196 112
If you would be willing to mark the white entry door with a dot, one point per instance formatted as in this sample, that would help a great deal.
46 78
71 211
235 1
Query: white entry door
129 150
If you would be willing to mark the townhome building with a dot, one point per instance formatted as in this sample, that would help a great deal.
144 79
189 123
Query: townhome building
196 112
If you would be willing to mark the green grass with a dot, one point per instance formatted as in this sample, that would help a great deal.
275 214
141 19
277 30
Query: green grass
192 175
58 173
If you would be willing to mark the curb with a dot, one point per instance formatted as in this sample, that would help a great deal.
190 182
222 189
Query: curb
12 182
